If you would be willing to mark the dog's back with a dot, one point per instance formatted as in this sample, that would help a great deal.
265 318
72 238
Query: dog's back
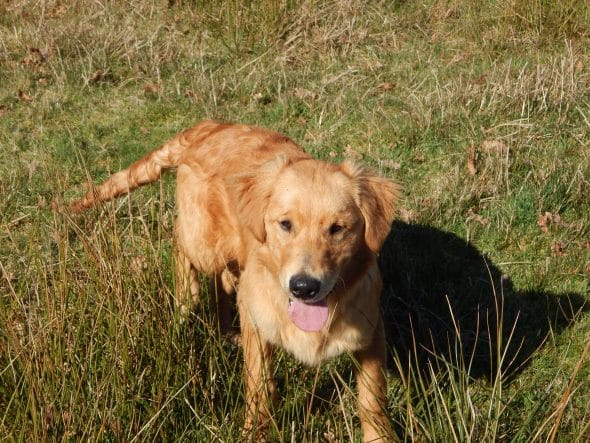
209 146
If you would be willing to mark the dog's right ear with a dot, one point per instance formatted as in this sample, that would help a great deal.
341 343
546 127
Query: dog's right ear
377 198
254 189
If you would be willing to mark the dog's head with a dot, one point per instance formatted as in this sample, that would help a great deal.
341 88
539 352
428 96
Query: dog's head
315 219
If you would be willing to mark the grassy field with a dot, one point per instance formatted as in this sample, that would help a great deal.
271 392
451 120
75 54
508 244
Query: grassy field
480 109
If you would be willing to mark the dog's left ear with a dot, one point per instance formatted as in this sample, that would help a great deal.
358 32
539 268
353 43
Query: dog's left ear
254 189
377 199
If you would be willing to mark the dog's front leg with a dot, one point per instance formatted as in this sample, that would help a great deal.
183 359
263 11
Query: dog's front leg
260 388
372 389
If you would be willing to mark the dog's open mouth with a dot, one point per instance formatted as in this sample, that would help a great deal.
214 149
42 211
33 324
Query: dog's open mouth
309 317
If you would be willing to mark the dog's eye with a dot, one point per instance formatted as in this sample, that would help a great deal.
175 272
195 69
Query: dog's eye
335 228
286 225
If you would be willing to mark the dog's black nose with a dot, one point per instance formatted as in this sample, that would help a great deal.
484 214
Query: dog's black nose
304 287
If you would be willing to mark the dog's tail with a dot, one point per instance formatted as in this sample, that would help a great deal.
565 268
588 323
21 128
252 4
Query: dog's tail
148 169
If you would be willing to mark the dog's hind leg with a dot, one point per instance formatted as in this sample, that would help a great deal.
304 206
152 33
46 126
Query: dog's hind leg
186 295
222 301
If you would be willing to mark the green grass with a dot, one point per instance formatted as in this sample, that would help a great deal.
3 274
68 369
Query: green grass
485 295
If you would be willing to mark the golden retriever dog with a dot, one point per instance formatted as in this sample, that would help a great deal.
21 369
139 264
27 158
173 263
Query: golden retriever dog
296 236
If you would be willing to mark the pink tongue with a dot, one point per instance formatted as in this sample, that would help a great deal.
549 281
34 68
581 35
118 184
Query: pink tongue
309 317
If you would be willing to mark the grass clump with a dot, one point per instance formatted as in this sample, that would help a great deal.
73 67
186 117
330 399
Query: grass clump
480 109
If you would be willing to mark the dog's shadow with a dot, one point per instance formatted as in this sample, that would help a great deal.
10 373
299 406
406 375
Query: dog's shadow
443 301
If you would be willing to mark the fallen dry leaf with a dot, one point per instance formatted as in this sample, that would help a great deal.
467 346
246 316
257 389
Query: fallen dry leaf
558 248
543 222
472 216
97 76
34 58
41 55
548 219
385 87
152 88
471 161
23 96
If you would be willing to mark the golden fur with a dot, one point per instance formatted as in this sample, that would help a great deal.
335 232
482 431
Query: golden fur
256 211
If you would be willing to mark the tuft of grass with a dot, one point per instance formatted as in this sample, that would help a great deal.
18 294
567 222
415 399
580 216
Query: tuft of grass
480 109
